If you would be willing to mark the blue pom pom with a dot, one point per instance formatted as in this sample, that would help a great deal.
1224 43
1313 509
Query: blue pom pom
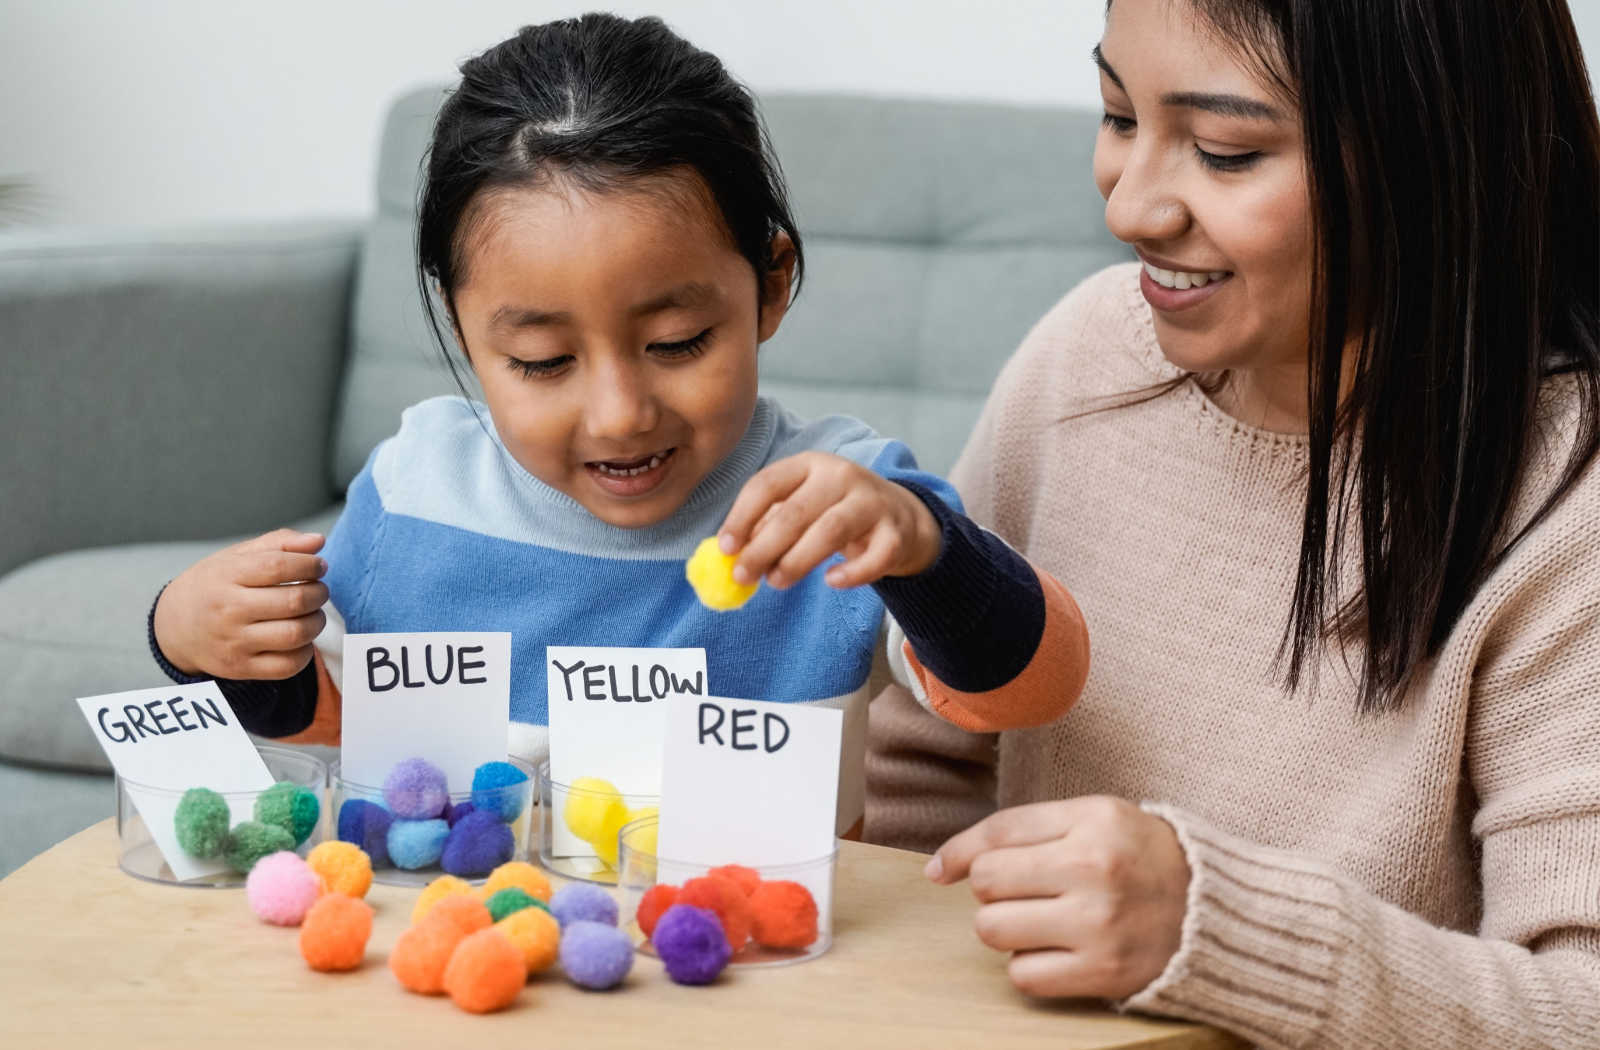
597 956
417 844
415 790
496 788
366 824
583 902
691 944
477 845
455 811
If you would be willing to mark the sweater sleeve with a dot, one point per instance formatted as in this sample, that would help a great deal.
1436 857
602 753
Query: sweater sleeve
1287 951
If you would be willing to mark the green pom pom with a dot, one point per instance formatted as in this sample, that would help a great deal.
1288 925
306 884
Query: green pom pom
201 821
250 841
510 900
292 807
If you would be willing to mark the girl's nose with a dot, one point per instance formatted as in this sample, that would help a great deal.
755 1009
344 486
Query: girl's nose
619 403
1145 204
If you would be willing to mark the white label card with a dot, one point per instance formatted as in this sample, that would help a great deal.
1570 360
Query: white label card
749 782
442 696
608 710
173 738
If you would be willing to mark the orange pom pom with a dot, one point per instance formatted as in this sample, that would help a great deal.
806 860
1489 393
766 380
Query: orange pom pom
536 933
656 900
747 879
334 934
467 914
343 867
783 915
485 973
724 897
421 955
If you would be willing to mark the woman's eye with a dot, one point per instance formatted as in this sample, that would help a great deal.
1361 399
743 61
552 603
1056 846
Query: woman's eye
536 369
682 348
1120 125
1227 161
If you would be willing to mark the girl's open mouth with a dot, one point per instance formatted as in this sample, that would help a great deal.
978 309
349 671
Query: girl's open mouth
631 477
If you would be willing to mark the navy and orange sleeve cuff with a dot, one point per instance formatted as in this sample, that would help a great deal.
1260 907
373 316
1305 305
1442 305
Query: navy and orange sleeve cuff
994 642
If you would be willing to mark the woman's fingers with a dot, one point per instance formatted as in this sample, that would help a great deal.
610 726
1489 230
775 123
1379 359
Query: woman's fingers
1022 925
1020 872
1017 826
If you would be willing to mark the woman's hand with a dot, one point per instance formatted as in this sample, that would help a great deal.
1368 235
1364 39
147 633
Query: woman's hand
796 513
1088 893
248 611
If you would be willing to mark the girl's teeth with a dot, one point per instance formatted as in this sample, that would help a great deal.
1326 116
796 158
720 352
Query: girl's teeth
1181 279
628 472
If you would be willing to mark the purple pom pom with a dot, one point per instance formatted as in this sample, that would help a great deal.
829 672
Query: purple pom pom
367 825
477 845
415 790
595 955
582 902
455 811
691 944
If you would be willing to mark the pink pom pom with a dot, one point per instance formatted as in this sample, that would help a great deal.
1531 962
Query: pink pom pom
281 888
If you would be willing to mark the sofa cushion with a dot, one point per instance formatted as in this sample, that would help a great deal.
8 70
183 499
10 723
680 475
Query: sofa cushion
74 625
936 234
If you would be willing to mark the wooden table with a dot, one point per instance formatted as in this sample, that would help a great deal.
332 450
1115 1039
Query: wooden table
93 958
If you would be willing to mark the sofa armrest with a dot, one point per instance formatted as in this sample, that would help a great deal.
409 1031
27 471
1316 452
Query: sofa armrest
169 386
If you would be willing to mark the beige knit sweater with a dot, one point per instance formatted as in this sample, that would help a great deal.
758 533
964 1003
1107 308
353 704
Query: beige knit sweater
1425 878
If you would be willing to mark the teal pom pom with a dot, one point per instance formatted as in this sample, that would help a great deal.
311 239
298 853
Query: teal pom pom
499 788
417 844
251 840
201 821
509 900
292 807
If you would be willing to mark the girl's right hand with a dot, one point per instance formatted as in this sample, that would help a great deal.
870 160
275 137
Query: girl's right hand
249 611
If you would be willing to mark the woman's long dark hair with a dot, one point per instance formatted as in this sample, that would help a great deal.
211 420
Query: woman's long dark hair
1454 164
605 102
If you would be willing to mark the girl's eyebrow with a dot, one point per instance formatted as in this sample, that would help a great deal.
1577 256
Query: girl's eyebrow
1221 104
686 296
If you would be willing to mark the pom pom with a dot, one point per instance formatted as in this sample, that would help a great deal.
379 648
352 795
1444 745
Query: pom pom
726 900
421 954
508 901
466 913
691 944
656 900
644 840
201 822
343 867
747 879
334 934
710 573
485 972
436 891
593 808
496 789
251 840
594 955
415 790
454 811
522 875
477 845
783 915
582 902
293 807
281 888
536 934
365 825
417 844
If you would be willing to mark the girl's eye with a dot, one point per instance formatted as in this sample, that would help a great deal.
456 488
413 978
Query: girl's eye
691 347
1120 125
1227 161
536 369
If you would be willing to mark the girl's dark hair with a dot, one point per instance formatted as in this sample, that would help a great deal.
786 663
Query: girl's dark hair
606 103
1454 165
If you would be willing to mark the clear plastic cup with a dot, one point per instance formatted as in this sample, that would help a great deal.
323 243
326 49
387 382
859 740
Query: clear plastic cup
512 797
138 854
642 868
561 851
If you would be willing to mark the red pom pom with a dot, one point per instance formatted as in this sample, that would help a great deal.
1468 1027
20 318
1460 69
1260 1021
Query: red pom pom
656 900
783 915
747 879
722 896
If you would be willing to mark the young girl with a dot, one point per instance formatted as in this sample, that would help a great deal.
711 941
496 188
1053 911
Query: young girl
609 241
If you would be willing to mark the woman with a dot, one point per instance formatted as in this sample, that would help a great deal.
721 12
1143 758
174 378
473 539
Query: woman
1319 470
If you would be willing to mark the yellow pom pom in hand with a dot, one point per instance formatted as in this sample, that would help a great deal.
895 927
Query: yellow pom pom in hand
593 807
710 573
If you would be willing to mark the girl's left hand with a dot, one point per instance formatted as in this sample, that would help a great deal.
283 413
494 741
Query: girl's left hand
1088 893
798 512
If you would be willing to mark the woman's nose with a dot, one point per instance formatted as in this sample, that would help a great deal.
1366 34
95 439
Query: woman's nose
1145 203
619 403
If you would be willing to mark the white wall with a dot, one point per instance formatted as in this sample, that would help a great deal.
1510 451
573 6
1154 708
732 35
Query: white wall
193 111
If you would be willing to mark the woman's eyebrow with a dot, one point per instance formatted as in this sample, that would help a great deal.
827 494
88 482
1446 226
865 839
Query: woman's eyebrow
1212 102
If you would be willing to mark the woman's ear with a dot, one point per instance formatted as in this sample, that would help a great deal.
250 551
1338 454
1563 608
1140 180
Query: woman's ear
776 286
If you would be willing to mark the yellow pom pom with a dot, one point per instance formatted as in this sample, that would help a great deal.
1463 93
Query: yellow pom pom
593 806
644 840
710 573
343 866
436 891
517 874
536 934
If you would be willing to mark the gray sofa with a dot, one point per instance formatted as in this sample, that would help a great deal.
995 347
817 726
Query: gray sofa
167 394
